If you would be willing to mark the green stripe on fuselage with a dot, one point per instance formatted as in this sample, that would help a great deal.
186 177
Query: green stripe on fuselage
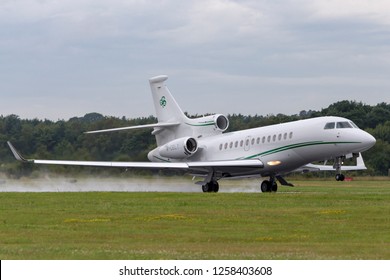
293 146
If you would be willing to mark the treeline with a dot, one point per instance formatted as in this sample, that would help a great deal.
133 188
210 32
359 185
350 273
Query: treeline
67 140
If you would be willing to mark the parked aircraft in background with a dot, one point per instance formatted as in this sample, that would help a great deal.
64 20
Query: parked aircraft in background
200 146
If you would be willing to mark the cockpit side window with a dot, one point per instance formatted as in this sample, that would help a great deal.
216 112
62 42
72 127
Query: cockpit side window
344 125
329 125
353 124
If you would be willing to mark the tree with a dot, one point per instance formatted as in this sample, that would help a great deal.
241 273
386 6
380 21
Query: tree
66 139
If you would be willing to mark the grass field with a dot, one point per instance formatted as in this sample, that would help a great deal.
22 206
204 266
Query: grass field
315 220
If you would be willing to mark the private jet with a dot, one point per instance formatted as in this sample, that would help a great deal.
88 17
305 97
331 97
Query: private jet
203 148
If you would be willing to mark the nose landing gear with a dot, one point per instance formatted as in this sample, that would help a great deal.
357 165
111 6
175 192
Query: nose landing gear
340 177
337 165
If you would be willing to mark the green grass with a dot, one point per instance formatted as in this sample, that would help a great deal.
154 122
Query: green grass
315 220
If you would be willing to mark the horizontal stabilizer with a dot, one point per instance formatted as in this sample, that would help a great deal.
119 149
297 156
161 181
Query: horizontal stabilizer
154 125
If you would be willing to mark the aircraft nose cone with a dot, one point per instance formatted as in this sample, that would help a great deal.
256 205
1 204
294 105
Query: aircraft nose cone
372 140
369 140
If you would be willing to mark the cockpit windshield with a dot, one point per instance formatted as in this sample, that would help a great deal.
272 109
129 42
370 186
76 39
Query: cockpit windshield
332 125
343 125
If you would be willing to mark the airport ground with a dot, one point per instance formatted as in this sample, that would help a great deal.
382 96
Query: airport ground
160 218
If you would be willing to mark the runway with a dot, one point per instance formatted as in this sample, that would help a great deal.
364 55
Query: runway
137 184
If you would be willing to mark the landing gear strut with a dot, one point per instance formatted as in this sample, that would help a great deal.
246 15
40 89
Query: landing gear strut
337 165
212 186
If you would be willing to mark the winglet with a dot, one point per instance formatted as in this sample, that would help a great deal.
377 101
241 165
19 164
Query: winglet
18 156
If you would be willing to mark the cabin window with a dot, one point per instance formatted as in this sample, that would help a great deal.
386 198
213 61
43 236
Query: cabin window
291 135
247 142
263 140
344 125
236 144
220 147
241 143
269 138
329 125
285 136
258 141
280 137
253 141
274 138
231 145
226 145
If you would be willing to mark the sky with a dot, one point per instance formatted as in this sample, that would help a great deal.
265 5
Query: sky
61 59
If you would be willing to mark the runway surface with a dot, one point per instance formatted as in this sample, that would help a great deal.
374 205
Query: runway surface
155 184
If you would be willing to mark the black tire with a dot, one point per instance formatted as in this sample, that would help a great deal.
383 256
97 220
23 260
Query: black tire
211 187
340 177
265 186
274 187
215 187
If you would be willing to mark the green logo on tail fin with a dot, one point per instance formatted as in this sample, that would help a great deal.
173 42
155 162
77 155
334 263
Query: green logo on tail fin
163 102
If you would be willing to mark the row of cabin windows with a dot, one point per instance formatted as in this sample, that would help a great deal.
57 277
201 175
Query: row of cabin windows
257 140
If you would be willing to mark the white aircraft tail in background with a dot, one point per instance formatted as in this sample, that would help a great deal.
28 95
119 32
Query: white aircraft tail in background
200 147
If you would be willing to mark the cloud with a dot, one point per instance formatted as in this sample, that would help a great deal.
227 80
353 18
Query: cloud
89 49
214 21
377 11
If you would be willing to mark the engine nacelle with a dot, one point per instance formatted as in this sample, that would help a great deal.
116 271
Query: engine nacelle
179 149
218 123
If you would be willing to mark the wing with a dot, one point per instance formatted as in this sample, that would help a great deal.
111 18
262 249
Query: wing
199 166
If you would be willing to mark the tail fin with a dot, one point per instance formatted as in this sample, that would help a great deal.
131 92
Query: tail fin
171 119
167 109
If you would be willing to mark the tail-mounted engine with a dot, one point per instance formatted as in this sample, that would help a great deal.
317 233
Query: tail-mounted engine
210 125
179 149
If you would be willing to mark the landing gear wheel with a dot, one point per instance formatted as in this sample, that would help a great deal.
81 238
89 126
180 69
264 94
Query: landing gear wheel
264 186
212 186
274 187
340 177
267 186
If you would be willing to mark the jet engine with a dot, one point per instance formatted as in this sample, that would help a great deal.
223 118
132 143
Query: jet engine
209 125
179 149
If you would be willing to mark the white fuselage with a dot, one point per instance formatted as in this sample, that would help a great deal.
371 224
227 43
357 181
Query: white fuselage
288 146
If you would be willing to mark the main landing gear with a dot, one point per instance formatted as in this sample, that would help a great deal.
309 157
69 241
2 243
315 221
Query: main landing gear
269 186
266 186
212 186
